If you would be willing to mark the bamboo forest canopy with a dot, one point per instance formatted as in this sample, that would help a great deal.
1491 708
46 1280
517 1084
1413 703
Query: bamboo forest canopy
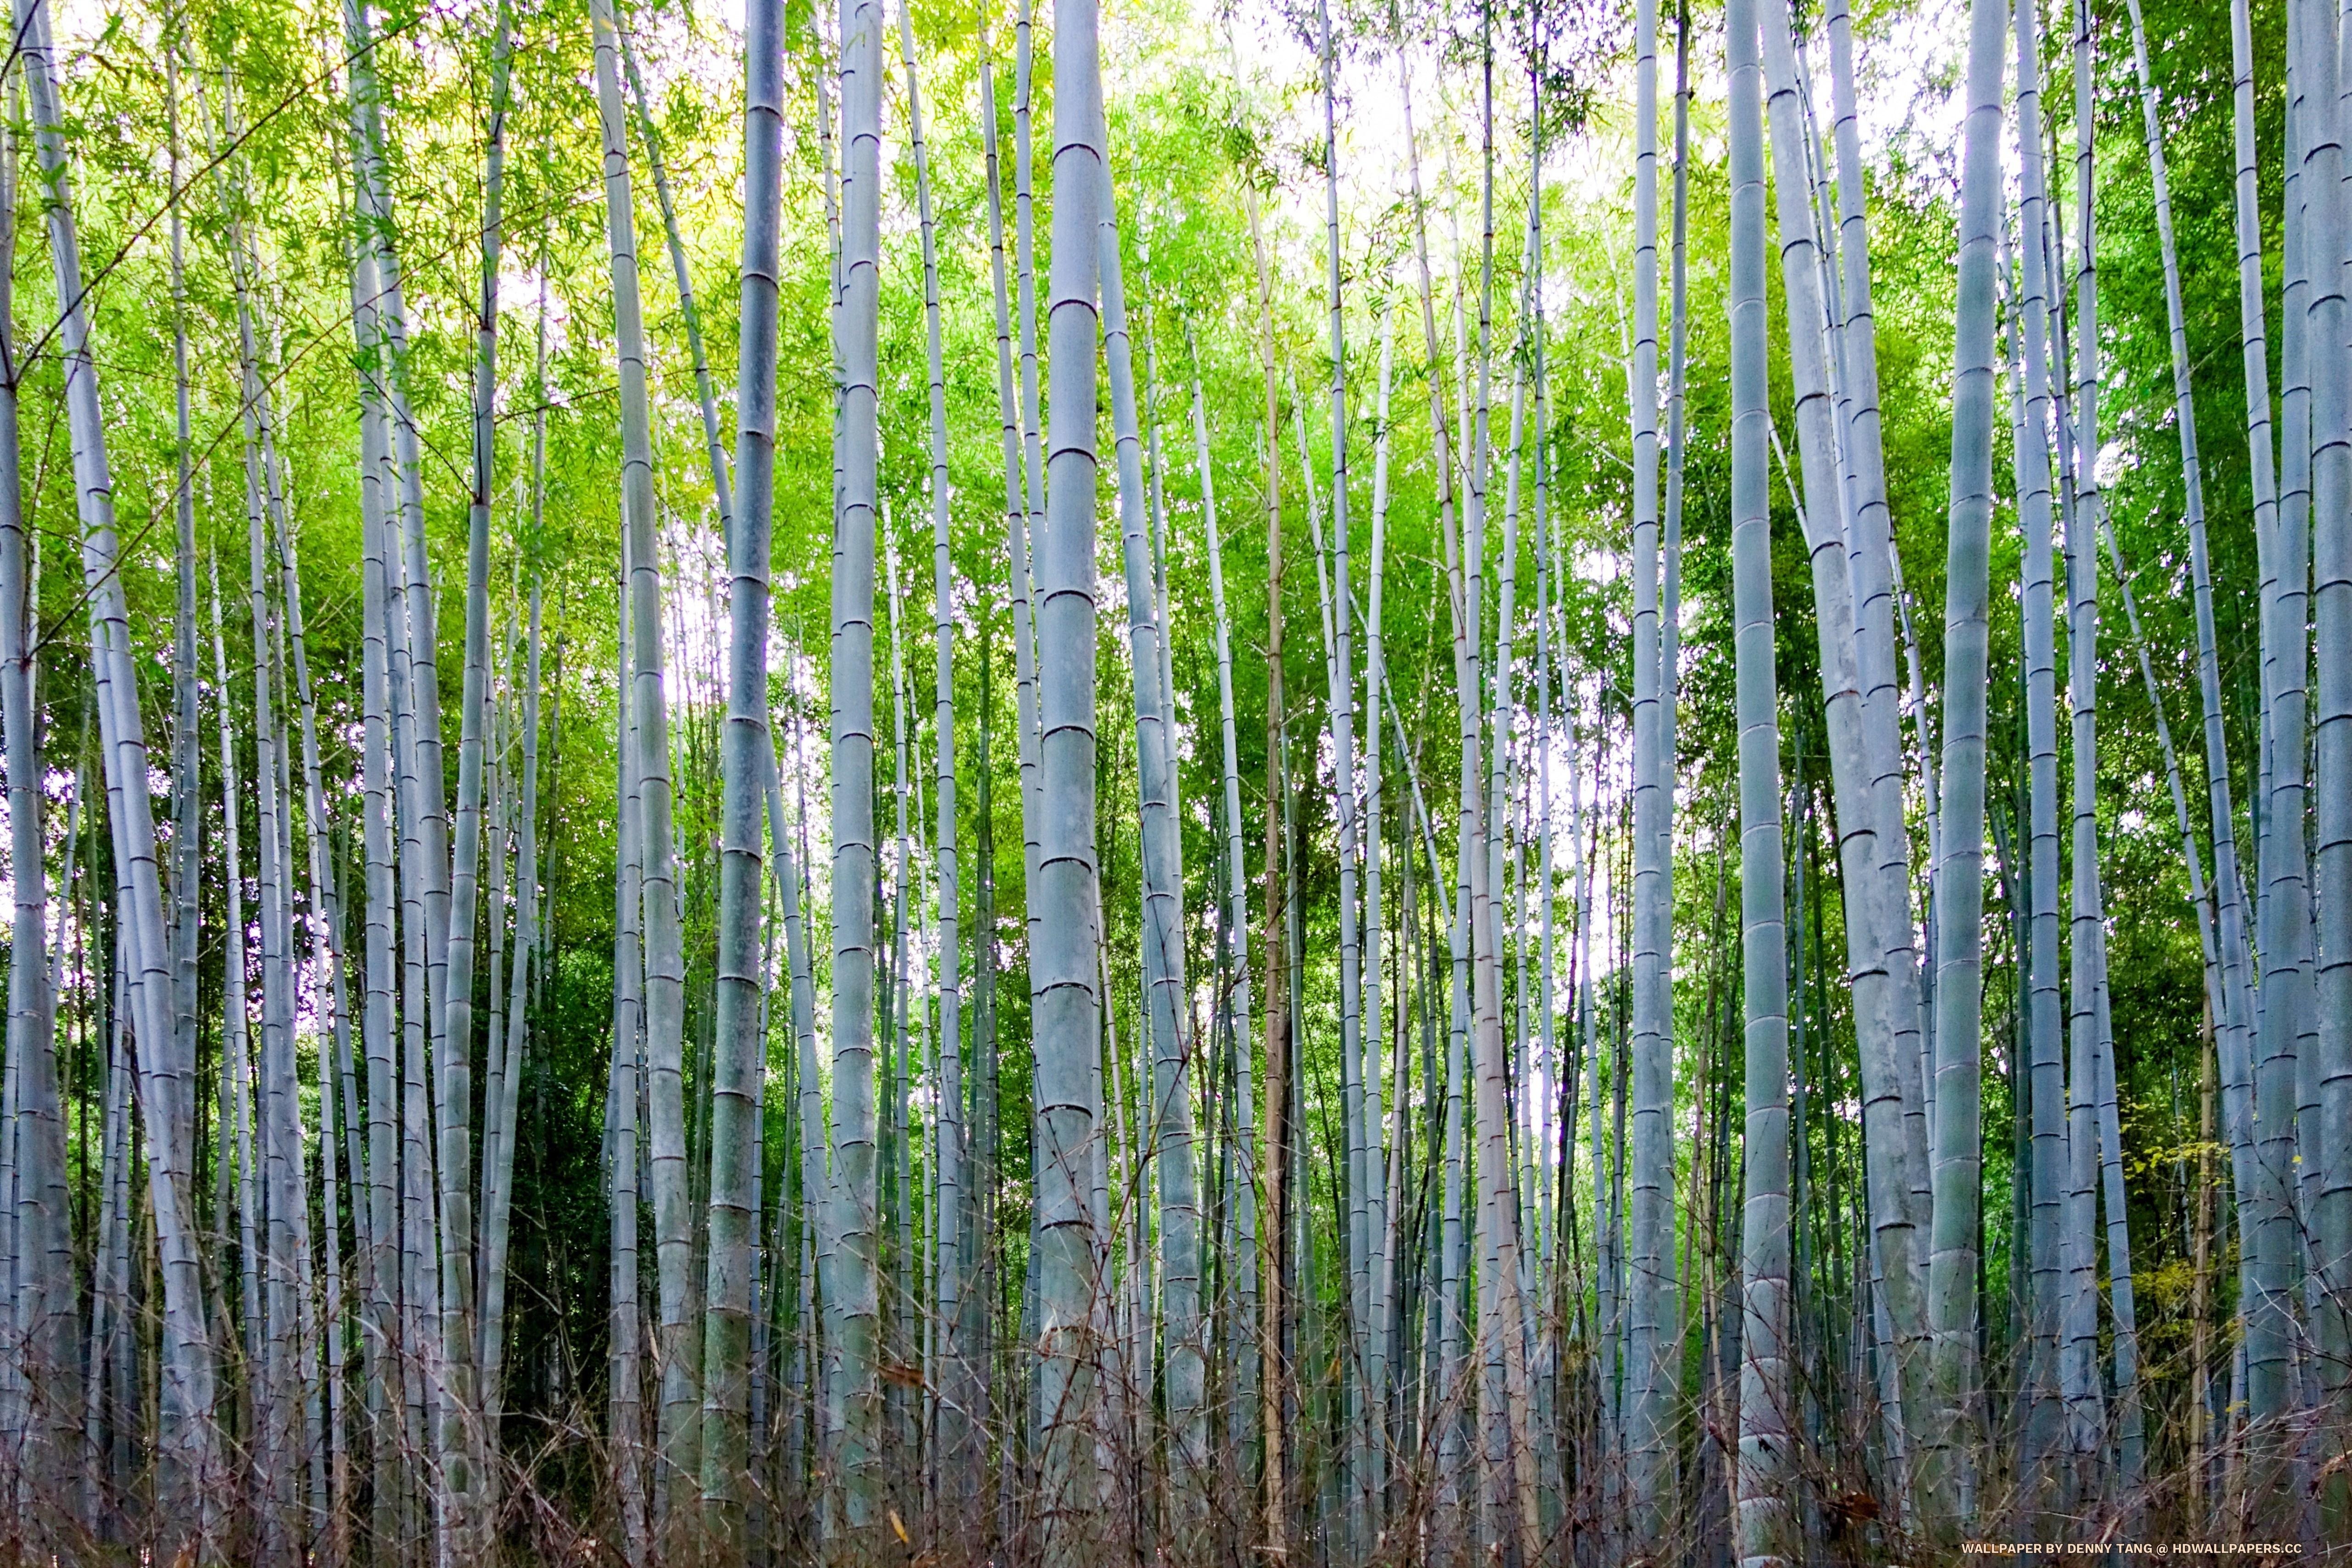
886 782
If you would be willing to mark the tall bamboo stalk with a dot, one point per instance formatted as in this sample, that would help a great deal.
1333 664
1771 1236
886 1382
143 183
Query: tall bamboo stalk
1877 592
460 1434
1766 1435
2028 336
626 1079
1280 997
2089 979
2282 902
2331 734
276 1407
1341 687
338 1086
1383 1174
187 738
38 1355
1947 1478
739 1050
2236 1027
1449 1327
1167 1004
1065 1001
379 1263
2226 919
680 1419
1649 1306
856 1457
186 1433
1885 1007
1235 998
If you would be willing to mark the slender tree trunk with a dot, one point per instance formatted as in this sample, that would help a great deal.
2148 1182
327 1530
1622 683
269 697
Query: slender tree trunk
40 1354
1766 1535
1877 588
187 739
2282 915
1013 425
1885 1009
236 1093
679 1436
2236 1027
951 1406
1341 687
2031 394
1167 1003
109 1294
1066 1003
1652 925
2089 977
1024 516
1026 308
857 1455
2331 562
335 1071
899 1347
416 709
276 1399
381 1341
2231 1007
1018 433
2201 1384
1236 999
1384 1175
902 1324
1651 1389
186 1437
1499 1314
626 1380
1507 1417
1280 999
1946 1493
739 1056
1670 551
462 1438
499 1145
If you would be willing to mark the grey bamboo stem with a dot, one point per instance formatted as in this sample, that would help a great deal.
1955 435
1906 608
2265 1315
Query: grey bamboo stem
739 1050
681 1393
1948 1468
186 1433
1886 1005
1236 1001
1168 1008
858 1452
1650 1306
951 1403
1766 1533
36 1213
1065 1001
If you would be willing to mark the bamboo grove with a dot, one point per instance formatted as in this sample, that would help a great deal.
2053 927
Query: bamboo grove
1261 848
